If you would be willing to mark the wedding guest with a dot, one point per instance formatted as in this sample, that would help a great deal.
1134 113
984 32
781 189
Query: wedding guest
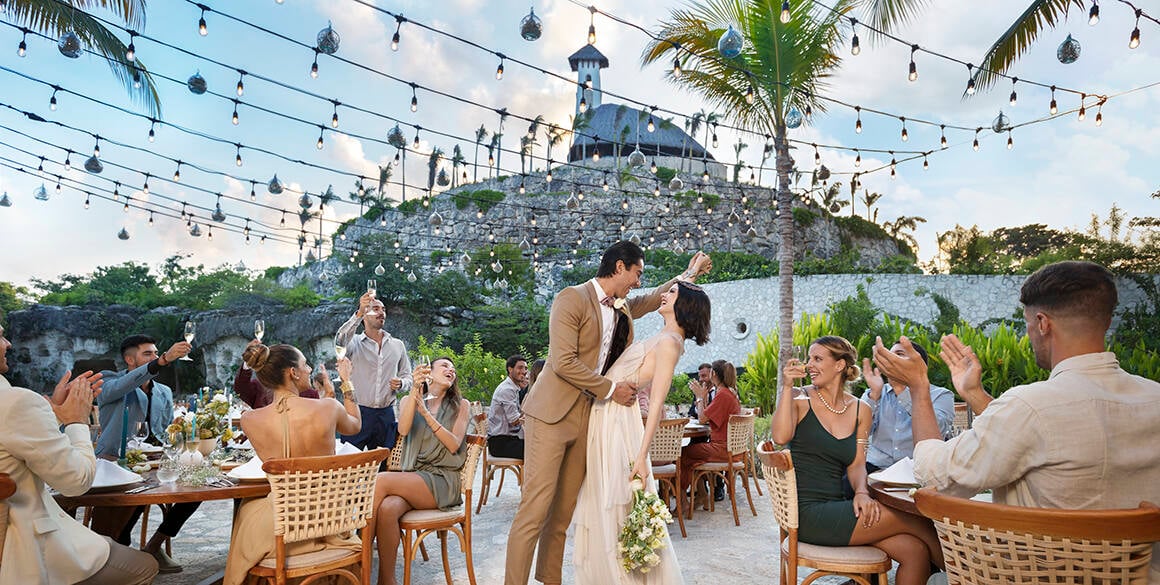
251 391
283 369
433 423
828 440
382 370
1078 440
537 367
505 422
723 377
46 443
704 373
132 396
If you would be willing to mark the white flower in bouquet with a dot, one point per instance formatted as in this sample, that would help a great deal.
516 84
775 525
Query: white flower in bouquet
642 534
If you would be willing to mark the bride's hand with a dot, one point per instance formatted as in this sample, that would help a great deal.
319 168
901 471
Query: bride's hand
640 468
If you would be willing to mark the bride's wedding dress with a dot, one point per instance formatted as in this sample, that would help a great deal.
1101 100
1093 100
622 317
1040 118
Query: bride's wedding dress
615 433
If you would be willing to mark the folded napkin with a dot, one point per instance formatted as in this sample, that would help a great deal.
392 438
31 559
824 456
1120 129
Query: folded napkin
252 469
901 473
109 474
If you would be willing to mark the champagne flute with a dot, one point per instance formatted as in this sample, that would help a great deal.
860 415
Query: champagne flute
339 349
372 287
190 332
259 329
425 362
799 356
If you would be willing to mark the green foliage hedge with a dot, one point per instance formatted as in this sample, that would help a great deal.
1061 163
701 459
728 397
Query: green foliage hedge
483 199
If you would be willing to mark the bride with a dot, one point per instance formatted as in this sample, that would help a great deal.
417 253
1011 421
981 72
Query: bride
618 445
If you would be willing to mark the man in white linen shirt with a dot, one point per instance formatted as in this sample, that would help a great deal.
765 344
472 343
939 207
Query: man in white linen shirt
381 371
1082 439
43 544
505 422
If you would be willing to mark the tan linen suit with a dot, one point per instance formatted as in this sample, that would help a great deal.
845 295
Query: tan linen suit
556 428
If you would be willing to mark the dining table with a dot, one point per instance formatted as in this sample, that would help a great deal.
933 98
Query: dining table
900 497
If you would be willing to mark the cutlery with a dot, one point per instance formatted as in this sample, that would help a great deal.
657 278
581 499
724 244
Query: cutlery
143 488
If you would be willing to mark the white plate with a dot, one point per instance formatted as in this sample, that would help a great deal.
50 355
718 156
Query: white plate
252 469
111 476
901 473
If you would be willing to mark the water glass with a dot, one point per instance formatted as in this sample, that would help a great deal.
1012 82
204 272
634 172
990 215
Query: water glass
168 472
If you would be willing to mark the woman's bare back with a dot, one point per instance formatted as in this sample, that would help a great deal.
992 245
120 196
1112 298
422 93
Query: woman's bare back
310 423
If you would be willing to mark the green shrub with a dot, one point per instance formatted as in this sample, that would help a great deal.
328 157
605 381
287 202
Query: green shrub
665 174
856 226
484 199
410 206
477 370
803 217
679 392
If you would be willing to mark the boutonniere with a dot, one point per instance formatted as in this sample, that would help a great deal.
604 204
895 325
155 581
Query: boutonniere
619 304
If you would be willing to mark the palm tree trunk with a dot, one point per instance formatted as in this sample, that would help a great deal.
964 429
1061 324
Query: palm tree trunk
404 178
785 251
475 164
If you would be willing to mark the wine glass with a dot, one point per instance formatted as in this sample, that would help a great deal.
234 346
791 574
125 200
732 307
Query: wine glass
190 332
372 287
799 356
339 349
174 445
425 362
140 433
259 329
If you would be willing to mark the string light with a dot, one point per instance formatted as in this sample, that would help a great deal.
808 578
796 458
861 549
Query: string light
857 160
942 141
913 75
234 119
319 144
651 127
749 99
152 134
592 25
241 86
414 98
238 158
858 121
1100 114
130 55
855 47
177 173
583 105
22 48
785 14
201 29
314 66
398 27
925 163
1094 14
86 202
1134 40
975 144
52 100
1014 97
676 63
1010 141
68 160
905 134
499 70
1054 108
334 118
1082 109
970 80
415 145
144 186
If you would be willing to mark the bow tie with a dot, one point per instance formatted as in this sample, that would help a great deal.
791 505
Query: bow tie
608 301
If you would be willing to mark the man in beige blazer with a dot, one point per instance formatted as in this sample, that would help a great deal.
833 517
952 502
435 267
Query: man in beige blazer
43 545
589 327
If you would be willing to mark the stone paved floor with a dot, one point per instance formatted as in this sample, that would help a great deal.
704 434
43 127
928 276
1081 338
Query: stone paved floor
715 553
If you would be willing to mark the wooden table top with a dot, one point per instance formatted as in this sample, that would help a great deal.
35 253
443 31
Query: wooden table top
891 496
173 493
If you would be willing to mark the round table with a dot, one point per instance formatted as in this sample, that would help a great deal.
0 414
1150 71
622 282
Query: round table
694 430
891 496
173 493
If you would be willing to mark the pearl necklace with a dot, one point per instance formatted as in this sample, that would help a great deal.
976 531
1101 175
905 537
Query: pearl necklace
827 404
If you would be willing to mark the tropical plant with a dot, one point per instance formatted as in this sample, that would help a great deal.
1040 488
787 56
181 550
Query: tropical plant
785 65
433 161
527 145
555 136
497 139
480 135
902 227
55 18
737 166
493 150
869 199
831 200
457 160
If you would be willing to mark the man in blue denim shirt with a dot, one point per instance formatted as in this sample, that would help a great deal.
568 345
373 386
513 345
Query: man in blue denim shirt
890 433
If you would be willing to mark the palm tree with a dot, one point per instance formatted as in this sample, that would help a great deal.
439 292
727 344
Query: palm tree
384 179
905 222
433 166
830 200
785 63
493 154
579 124
527 145
555 135
457 160
58 17
533 129
480 136
737 148
692 126
498 139
870 199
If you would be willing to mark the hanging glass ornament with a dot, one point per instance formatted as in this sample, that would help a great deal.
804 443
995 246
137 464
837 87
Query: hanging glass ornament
435 219
1001 123
635 239
1068 51
40 194
395 137
5 201
196 84
328 40
69 45
304 201
274 186
123 234
497 267
380 270
218 214
823 173
465 260
794 118
442 179
835 208
637 158
730 43
751 232
93 165
676 184
411 276
531 27
195 230
678 248
524 245
310 257
572 202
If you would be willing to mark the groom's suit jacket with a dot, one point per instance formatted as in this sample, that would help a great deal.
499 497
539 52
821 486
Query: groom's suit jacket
574 332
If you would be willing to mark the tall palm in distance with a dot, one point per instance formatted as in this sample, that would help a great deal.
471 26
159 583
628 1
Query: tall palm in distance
480 136
457 160
787 65
56 17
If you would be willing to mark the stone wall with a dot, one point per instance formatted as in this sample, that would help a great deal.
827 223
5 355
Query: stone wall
744 308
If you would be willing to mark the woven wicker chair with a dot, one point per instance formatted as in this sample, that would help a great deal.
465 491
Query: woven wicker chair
314 497
854 562
739 441
994 543
7 488
417 524
493 464
963 418
665 453
395 462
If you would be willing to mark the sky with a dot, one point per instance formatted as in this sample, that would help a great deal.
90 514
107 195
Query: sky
1059 172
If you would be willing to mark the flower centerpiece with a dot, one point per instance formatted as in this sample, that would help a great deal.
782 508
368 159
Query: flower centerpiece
643 533
208 425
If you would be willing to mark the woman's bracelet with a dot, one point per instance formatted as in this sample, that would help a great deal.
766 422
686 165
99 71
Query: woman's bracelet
347 388
861 492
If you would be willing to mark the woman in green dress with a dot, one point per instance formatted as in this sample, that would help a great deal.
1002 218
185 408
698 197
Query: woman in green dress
433 425
827 429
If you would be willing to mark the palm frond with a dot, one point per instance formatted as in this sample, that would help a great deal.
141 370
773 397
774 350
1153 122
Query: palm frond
1040 15
888 15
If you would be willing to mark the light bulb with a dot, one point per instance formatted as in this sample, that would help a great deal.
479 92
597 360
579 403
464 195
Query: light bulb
858 125
201 26
905 134
177 174
319 144
414 103
1054 109
1100 116
1094 14
234 119
714 139
855 46
152 134
749 99
942 141
913 76
1134 41
395 41
314 69
1082 113
52 102
22 48
785 15
86 202
130 55
925 163
975 145
858 160
651 126
583 105
592 34
595 156
238 159
971 86
676 64
241 87
499 71
334 120
67 163
1010 141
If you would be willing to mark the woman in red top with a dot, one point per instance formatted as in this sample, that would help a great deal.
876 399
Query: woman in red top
716 415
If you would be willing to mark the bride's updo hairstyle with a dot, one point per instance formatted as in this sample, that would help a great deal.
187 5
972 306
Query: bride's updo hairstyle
271 363
842 350
692 311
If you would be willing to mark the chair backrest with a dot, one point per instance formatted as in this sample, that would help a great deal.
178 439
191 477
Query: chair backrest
479 421
477 408
995 543
777 467
963 417
666 443
7 488
314 497
740 433
475 447
395 463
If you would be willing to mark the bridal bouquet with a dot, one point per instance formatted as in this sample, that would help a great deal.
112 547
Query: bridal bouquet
644 530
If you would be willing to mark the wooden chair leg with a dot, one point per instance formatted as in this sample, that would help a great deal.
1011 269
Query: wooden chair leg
483 498
748 495
502 474
145 527
732 481
465 542
752 469
423 549
408 556
446 565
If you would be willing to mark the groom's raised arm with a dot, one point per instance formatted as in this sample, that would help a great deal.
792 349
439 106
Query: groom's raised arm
568 315
642 305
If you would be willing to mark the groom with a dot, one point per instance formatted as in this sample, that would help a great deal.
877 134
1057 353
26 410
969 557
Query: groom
590 325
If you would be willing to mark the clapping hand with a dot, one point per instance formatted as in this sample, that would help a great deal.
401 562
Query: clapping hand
76 398
873 379
966 373
908 370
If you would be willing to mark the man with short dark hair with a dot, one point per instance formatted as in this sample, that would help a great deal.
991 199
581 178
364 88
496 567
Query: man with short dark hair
891 439
132 396
505 422
45 443
1082 439
704 372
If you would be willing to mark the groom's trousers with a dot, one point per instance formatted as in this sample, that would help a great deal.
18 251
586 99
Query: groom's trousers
554 463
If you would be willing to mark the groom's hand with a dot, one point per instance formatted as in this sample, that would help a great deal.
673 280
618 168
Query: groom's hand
624 393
